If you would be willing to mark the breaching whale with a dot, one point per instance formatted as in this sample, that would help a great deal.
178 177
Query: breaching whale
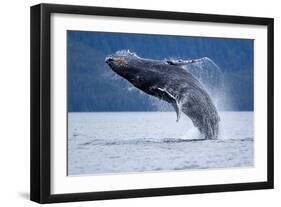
168 81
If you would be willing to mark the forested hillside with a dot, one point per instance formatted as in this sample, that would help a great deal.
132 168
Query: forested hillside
92 86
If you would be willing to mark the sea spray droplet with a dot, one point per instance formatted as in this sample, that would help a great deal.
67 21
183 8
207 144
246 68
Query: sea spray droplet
212 78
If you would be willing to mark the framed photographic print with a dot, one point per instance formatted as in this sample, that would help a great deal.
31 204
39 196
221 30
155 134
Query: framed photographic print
133 103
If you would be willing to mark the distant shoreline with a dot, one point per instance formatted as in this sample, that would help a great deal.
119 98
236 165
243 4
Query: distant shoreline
137 111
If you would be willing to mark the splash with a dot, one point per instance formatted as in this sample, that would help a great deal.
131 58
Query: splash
212 78
125 53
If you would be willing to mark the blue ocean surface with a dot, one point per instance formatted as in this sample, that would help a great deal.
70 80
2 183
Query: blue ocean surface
136 142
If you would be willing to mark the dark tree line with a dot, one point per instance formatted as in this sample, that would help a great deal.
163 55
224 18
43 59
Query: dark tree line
92 86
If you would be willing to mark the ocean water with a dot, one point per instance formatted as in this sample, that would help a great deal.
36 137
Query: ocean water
127 142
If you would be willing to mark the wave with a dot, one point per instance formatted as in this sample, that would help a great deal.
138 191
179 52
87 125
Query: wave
159 141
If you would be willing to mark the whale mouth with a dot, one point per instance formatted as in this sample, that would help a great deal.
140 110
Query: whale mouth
109 59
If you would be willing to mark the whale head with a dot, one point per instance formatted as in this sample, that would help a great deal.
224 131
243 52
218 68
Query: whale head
137 70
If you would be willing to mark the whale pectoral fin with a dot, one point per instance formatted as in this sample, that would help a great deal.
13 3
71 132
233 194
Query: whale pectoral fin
163 90
178 110
175 103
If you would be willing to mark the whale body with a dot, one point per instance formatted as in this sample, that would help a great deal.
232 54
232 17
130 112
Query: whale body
168 81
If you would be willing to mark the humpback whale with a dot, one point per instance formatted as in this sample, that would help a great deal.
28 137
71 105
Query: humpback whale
169 81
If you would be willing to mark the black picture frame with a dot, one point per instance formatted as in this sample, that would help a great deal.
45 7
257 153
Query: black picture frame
40 184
